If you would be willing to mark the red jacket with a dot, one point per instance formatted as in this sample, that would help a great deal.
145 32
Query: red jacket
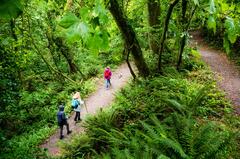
107 73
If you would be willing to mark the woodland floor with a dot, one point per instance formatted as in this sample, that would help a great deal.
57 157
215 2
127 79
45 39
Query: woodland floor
226 72
100 98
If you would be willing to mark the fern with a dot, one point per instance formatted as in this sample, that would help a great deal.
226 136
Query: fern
159 137
163 157
196 100
176 105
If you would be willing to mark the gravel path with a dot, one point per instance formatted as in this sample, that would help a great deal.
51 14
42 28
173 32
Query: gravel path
100 98
226 72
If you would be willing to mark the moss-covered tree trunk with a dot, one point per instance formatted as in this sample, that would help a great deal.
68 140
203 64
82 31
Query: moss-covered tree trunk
129 36
154 23
69 58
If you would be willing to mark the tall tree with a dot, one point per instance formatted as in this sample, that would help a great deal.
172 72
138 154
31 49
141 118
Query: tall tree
154 23
165 29
185 23
129 36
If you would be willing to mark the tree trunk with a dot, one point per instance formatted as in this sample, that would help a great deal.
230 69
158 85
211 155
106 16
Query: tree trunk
65 52
185 30
129 37
182 45
169 13
128 63
154 22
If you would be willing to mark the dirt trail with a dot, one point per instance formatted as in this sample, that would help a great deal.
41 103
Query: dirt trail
226 72
100 98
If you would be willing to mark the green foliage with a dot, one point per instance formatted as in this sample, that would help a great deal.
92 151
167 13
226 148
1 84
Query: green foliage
68 20
24 146
196 2
231 30
224 21
89 27
161 117
10 9
212 23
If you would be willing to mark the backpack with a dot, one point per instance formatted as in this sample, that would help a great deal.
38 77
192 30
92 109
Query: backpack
107 74
75 103
60 117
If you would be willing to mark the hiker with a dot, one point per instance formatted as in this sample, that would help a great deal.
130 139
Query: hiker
62 120
107 76
78 105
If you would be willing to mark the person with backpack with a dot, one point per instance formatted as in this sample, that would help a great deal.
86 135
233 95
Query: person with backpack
107 76
62 120
77 103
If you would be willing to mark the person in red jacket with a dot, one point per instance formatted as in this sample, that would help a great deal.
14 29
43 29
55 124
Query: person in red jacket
107 76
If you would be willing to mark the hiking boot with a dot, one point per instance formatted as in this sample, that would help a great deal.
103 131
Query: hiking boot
61 137
70 131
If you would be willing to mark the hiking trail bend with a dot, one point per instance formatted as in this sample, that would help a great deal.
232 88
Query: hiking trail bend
226 73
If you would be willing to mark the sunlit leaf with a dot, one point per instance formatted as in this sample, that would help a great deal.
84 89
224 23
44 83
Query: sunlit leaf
77 32
99 41
212 7
226 45
84 13
83 29
196 2
68 20
211 23
231 30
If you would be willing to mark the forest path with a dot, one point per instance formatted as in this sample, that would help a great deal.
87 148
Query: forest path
98 99
225 71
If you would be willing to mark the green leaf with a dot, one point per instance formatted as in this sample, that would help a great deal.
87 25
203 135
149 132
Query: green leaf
231 30
100 12
211 23
68 20
77 32
196 2
84 13
212 9
10 9
94 42
105 41
226 45
238 28
98 41
83 29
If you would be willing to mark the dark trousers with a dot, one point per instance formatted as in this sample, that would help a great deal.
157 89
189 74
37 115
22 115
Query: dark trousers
108 83
61 127
77 116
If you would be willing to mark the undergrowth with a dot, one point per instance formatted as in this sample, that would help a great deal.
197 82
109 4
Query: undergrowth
179 115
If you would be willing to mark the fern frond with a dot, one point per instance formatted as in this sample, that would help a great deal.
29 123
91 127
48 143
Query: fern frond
174 145
163 157
201 140
176 105
150 130
196 100
159 127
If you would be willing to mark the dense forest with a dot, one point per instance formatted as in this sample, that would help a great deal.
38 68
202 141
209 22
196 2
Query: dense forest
172 107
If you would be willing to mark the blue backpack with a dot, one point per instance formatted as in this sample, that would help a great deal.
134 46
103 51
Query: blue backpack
75 103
